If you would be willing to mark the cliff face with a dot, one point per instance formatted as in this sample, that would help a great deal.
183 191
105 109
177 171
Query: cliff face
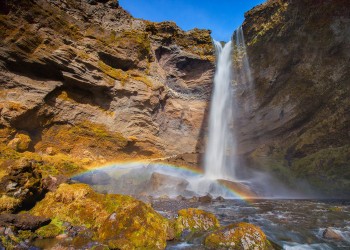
86 79
299 125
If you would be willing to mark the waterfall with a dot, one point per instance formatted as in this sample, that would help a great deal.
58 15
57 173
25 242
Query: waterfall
219 155
241 70
232 72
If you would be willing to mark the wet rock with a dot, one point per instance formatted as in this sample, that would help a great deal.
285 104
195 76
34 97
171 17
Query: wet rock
193 219
205 199
23 221
180 198
166 184
332 234
237 236
219 198
194 199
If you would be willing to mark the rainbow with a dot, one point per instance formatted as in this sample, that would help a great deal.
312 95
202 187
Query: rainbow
233 191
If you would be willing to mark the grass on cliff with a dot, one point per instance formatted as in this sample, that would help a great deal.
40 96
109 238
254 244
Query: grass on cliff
124 76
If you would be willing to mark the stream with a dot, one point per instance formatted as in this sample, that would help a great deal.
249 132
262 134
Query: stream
292 224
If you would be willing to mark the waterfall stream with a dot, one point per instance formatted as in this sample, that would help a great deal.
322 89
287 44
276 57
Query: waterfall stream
219 155
232 70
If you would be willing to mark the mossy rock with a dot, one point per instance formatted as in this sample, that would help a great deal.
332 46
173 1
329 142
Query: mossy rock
195 220
120 221
238 236
21 185
8 203
51 230
135 227
21 142
81 137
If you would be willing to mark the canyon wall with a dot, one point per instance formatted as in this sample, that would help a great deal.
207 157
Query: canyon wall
295 120
86 79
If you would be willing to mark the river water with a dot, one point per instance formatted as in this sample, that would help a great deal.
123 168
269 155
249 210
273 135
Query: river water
292 224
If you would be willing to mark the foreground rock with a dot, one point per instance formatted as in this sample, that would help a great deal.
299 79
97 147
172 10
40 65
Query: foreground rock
21 187
119 221
195 220
332 234
23 221
238 236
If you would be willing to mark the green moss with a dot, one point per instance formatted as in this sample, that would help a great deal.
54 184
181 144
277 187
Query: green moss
51 230
8 243
195 220
326 165
132 223
26 235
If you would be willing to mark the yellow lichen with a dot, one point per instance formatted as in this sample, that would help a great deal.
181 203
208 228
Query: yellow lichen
8 203
195 220
20 143
117 74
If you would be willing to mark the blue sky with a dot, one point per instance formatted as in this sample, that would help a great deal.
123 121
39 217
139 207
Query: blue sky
222 16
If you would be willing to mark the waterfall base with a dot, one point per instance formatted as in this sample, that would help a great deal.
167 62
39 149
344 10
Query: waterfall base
160 180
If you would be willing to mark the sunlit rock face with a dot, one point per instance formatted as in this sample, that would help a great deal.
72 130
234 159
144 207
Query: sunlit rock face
91 81
299 53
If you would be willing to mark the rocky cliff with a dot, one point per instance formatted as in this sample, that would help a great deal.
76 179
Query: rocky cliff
83 82
86 79
299 124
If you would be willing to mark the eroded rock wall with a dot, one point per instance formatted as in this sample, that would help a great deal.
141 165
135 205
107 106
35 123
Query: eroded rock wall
299 122
87 79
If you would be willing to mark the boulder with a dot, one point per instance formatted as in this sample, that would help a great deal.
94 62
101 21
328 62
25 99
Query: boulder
194 220
21 187
120 221
166 184
20 143
332 234
206 198
238 236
